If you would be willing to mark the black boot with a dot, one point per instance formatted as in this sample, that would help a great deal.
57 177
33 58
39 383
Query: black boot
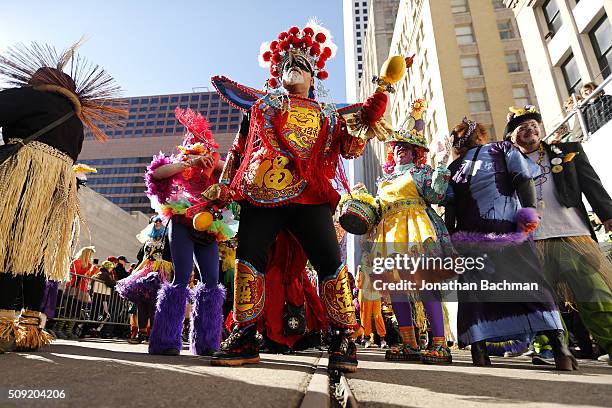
342 352
141 337
480 355
241 347
564 360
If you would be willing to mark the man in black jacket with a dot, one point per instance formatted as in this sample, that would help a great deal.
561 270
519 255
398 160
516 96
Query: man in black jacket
564 235
120 268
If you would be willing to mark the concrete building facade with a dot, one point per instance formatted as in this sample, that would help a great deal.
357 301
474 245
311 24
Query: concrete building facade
569 44
355 15
383 14
469 60
151 127
109 228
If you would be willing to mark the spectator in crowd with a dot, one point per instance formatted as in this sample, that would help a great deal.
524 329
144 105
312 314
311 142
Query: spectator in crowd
369 303
571 131
120 271
102 290
77 291
598 110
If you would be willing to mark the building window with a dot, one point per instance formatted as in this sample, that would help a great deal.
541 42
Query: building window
358 42
601 38
459 6
478 101
358 26
571 75
359 49
506 32
498 4
513 61
521 95
470 66
552 16
357 18
464 34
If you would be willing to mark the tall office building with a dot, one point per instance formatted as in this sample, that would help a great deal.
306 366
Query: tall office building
379 35
469 60
355 13
150 128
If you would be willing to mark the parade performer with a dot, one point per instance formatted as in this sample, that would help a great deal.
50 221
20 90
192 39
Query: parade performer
489 185
154 269
409 225
175 184
42 126
280 168
565 238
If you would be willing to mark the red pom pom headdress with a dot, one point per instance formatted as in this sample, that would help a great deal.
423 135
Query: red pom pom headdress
197 129
313 42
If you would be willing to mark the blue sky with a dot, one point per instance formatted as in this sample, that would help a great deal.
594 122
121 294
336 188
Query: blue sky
157 46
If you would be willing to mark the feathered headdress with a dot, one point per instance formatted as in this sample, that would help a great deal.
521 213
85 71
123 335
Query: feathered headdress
197 132
90 88
313 42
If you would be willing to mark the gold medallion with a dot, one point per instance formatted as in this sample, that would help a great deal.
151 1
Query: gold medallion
541 205
557 169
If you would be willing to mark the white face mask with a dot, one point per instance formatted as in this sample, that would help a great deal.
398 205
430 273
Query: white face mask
293 77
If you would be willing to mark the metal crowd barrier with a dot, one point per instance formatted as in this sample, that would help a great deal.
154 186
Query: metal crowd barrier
97 304
573 125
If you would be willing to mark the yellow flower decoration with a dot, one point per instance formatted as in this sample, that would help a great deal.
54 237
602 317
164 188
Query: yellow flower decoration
359 196
419 104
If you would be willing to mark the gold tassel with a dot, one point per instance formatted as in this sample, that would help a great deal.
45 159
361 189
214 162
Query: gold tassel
30 337
420 316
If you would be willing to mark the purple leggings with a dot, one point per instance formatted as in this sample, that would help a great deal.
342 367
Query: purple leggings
433 308
185 252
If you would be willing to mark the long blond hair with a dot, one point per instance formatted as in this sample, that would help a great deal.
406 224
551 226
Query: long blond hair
85 255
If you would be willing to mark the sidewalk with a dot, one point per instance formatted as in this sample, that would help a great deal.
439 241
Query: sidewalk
110 373
510 382
115 374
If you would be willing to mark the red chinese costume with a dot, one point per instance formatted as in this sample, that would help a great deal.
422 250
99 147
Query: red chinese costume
280 169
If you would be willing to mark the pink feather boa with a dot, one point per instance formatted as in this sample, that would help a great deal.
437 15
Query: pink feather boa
161 189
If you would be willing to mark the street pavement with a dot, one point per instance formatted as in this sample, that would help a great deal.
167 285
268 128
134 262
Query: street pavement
510 382
110 373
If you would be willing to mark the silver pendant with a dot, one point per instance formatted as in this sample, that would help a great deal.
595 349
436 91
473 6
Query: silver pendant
555 161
